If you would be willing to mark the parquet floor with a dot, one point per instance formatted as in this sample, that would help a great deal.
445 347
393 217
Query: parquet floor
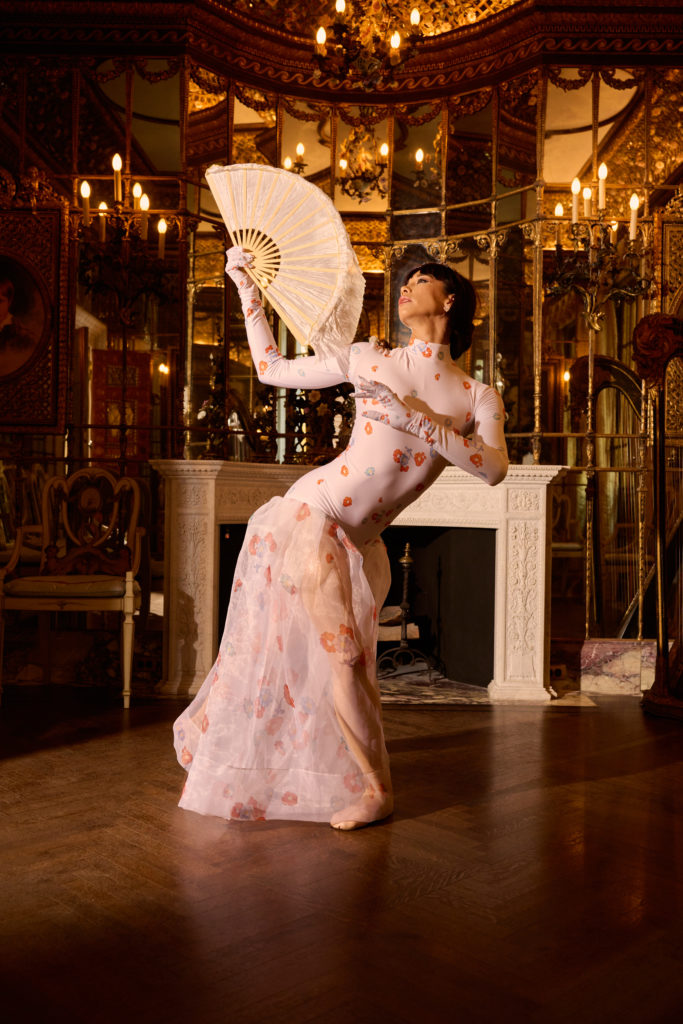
533 871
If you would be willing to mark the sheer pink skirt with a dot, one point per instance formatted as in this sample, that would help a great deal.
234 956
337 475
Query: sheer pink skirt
262 739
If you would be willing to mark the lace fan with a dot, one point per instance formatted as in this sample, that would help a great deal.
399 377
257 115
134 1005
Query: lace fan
303 259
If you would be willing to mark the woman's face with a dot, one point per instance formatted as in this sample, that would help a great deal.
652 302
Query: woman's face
423 296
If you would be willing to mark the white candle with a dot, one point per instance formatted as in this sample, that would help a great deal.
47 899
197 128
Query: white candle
419 158
103 221
602 174
633 226
161 227
117 164
85 196
559 212
137 195
144 207
576 188
587 203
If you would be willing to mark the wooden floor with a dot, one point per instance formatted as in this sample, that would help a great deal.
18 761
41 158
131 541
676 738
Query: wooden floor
533 871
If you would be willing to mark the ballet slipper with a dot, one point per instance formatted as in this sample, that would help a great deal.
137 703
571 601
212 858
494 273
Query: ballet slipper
376 803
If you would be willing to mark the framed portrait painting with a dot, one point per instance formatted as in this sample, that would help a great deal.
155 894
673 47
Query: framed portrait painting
33 320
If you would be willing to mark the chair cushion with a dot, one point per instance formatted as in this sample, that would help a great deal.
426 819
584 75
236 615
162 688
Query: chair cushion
68 586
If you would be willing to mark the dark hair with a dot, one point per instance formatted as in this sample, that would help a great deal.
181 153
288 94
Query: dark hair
461 313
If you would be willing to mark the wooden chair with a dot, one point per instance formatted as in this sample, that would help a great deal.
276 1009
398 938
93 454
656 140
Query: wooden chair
91 546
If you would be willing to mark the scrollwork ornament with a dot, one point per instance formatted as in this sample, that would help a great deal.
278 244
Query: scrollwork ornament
532 231
402 113
369 115
316 111
609 77
398 251
568 84
470 103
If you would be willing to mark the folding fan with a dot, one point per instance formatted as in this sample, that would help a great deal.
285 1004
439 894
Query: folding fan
303 259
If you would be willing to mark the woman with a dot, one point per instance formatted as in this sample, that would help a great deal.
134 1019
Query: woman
288 722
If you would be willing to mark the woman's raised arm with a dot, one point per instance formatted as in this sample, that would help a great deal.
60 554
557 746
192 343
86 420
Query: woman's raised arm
272 367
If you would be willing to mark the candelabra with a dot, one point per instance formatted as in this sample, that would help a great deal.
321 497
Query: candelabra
120 265
363 165
297 166
359 50
428 166
606 260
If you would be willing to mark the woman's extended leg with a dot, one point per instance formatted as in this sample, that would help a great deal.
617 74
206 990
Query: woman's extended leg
351 649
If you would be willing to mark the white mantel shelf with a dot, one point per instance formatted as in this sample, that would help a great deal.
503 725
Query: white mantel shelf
202 495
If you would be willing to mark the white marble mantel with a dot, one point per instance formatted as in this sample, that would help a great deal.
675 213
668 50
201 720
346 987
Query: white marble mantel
202 495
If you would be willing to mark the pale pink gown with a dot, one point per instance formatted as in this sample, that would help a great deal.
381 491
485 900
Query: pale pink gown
288 721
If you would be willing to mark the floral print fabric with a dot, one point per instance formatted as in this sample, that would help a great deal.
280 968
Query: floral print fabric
262 739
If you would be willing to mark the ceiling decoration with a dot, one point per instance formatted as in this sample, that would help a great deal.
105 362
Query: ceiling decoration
436 16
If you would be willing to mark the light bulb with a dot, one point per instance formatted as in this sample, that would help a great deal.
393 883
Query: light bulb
144 201
116 162
102 207
85 189
340 6
415 17
321 36
602 171
287 163
162 226
343 163
163 368
299 149
634 202
566 376
384 149
419 156
137 190
576 187
559 210
587 194
395 41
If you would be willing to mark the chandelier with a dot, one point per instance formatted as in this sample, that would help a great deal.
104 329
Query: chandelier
363 165
127 218
363 48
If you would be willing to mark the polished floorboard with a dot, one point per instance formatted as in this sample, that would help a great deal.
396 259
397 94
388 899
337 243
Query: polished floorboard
532 871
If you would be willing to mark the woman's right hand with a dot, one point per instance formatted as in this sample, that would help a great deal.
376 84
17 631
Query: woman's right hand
237 259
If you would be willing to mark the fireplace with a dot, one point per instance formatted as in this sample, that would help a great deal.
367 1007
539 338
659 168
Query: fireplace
203 496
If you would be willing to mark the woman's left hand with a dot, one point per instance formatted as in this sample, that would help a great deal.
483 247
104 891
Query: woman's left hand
382 404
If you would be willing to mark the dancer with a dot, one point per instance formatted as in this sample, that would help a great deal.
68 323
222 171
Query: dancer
288 722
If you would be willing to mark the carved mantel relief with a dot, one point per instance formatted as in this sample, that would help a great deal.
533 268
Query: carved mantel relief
200 496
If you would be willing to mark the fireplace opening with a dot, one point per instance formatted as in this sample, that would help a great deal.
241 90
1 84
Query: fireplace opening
451 591
451 594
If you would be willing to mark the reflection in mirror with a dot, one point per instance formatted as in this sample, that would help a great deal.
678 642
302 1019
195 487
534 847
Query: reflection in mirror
469 183
362 160
418 157
513 372
305 141
516 141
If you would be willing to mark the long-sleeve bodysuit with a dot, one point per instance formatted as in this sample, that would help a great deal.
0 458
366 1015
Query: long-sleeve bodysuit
288 722
384 469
